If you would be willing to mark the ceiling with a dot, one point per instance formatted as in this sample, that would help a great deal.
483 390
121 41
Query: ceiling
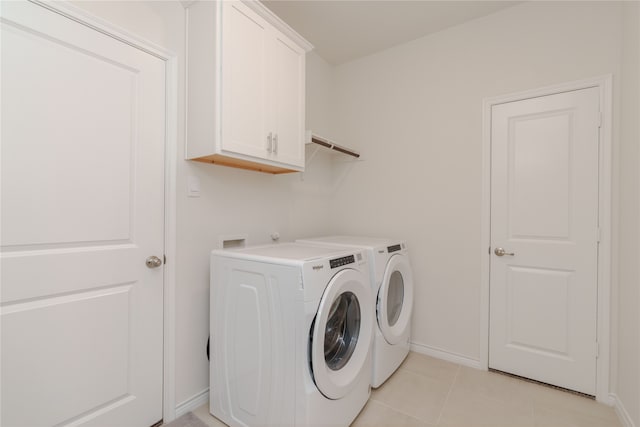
343 30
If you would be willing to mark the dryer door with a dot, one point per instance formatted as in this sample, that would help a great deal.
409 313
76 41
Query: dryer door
342 334
395 299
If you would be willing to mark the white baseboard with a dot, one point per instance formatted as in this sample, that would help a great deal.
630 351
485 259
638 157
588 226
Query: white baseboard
609 399
446 355
621 411
193 403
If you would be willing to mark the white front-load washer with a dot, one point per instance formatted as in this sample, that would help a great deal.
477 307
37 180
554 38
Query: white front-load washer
291 333
392 286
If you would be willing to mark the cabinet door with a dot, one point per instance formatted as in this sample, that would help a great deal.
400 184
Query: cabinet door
245 44
288 102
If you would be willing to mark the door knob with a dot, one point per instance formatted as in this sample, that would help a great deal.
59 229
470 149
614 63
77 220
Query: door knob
502 252
153 262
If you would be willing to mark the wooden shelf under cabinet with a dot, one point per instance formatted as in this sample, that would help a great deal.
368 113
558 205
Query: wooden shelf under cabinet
219 159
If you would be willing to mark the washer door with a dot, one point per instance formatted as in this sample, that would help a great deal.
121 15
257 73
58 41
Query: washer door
395 299
342 334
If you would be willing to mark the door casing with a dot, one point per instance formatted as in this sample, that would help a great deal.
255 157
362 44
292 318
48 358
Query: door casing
171 144
605 86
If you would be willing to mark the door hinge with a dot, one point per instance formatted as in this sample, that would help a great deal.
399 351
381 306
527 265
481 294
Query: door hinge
489 250
599 119
597 349
598 234
164 259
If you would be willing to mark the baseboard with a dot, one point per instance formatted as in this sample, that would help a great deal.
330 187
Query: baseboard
446 355
192 403
621 411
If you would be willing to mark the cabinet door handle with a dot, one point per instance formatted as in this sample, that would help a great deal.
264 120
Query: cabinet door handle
270 142
275 144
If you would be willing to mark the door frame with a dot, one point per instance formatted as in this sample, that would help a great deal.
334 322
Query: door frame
170 58
605 86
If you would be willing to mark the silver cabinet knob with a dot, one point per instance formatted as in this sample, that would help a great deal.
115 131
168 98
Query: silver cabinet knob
153 262
502 252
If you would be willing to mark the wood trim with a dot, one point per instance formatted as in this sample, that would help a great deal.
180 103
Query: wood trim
621 411
449 356
219 159
193 403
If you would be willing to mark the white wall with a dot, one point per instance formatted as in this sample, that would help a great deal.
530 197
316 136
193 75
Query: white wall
232 201
415 111
628 336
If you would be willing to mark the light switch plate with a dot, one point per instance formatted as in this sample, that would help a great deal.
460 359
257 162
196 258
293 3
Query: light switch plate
193 186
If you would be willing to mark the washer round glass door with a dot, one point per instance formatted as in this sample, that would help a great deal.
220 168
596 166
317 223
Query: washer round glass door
395 299
342 334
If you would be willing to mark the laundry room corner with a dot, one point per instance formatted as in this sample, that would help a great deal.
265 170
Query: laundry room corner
416 109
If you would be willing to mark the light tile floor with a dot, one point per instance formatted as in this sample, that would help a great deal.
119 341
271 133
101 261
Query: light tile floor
428 392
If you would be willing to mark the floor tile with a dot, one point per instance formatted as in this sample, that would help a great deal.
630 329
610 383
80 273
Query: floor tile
202 412
375 414
414 394
550 400
467 408
555 417
492 385
428 392
430 366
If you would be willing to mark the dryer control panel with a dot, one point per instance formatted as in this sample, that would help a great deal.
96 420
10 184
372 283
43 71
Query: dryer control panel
393 248
339 262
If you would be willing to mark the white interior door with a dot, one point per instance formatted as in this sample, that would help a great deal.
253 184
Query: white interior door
83 132
544 215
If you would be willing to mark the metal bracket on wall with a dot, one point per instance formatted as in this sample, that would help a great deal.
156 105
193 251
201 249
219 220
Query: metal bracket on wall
320 142
311 138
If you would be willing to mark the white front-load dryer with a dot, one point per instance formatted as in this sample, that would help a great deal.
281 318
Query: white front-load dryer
291 333
392 286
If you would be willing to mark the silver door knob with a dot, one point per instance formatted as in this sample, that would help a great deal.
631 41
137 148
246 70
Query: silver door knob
153 262
502 252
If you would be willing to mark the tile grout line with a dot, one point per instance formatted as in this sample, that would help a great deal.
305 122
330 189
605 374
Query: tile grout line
422 374
446 400
381 403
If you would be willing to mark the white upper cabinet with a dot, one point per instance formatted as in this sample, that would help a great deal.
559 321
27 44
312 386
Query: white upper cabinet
245 87
288 100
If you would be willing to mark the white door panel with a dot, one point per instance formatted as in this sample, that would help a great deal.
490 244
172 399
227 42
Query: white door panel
95 353
104 146
544 210
288 101
245 76
83 132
